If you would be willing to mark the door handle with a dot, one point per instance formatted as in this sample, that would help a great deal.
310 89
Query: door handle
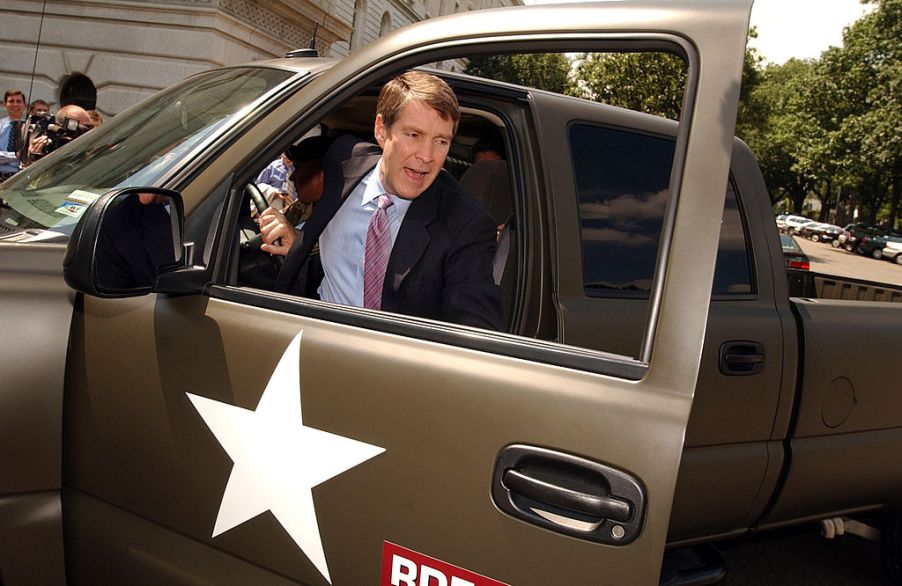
565 498
741 358
568 494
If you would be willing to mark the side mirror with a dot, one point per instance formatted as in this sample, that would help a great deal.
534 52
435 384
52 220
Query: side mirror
125 239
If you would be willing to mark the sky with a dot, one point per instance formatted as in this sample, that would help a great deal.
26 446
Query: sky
801 28
795 28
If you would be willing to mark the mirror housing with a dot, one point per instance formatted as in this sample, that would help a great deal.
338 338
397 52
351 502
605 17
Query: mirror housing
124 241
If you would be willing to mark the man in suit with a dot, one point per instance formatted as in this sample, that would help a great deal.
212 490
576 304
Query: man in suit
442 241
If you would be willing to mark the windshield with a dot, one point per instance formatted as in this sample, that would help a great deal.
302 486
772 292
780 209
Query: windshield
140 147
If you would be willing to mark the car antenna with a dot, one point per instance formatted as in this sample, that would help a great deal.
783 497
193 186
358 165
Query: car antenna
313 39
309 52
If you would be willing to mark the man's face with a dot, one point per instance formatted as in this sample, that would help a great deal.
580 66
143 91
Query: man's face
15 106
308 181
413 149
40 109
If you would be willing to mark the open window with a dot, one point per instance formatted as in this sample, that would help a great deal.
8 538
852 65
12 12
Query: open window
530 108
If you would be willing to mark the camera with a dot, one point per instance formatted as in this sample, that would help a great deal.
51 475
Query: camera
58 133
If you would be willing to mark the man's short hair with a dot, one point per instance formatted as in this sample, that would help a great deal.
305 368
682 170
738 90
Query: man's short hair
420 86
11 93
310 149
488 145
38 103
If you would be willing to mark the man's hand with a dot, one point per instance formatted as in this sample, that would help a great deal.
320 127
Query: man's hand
36 145
277 232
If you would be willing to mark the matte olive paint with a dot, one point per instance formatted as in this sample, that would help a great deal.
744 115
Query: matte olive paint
441 412
35 312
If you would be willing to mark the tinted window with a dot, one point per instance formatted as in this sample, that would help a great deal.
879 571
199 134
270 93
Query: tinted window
622 183
732 273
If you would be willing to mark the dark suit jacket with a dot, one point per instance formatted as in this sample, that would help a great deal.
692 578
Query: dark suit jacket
441 264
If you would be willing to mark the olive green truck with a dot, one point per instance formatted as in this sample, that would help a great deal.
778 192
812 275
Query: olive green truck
657 386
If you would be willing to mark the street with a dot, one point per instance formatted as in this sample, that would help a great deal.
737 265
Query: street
800 555
836 261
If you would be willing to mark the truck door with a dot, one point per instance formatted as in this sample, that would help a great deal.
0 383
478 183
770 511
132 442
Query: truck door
245 436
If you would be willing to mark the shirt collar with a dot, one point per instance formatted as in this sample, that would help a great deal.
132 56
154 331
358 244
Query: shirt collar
373 188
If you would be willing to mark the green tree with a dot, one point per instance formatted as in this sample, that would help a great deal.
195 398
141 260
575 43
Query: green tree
546 71
646 82
781 123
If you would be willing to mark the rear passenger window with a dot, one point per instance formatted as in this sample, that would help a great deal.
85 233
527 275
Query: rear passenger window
622 183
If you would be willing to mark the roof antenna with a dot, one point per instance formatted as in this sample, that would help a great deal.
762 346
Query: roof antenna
309 52
313 40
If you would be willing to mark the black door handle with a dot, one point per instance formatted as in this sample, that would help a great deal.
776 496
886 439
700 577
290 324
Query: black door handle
573 500
568 494
741 358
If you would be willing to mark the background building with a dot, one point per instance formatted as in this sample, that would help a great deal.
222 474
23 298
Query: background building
110 54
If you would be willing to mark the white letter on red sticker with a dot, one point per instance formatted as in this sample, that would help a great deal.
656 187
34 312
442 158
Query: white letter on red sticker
405 567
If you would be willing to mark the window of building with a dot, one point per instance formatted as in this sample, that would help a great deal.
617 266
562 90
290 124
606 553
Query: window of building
78 89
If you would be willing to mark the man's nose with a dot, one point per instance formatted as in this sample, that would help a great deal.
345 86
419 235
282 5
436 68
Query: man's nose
426 151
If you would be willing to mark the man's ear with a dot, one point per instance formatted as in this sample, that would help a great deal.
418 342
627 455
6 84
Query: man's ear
379 130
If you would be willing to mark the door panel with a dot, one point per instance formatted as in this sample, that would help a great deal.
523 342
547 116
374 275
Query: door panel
172 397
441 413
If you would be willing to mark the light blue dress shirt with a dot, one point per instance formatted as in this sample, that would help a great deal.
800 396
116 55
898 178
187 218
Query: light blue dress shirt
9 161
342 244
274 174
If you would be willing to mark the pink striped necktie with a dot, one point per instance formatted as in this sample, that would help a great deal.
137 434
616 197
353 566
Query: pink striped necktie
378 249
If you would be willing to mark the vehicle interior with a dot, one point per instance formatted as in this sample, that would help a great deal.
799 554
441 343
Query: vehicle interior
488 181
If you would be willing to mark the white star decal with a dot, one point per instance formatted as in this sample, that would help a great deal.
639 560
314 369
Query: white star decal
277 460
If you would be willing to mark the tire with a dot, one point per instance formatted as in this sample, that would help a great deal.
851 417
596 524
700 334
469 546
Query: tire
877 253
814 238
898 259
836 244
848 247
891 546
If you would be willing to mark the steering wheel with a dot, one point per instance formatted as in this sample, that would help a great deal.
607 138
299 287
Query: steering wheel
256 197
260 204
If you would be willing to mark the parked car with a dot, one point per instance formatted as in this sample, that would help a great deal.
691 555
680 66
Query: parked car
793 256
852 234
893 251
793 223
872 246
820 231
780 219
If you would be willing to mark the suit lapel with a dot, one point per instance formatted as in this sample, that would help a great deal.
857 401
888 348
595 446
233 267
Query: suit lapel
413 238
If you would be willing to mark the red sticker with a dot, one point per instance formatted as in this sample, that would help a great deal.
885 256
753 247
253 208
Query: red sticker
403 567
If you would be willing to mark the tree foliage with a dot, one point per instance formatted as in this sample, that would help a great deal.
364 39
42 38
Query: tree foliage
546 71
829 127
837 121
647 82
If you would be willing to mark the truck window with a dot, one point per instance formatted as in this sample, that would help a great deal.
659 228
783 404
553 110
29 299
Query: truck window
622 187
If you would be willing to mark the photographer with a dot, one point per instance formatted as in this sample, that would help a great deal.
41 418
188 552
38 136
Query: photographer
47 134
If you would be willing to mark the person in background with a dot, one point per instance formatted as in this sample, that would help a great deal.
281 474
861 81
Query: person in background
38 146
488 149
39 107
96 119
275 173
11 133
